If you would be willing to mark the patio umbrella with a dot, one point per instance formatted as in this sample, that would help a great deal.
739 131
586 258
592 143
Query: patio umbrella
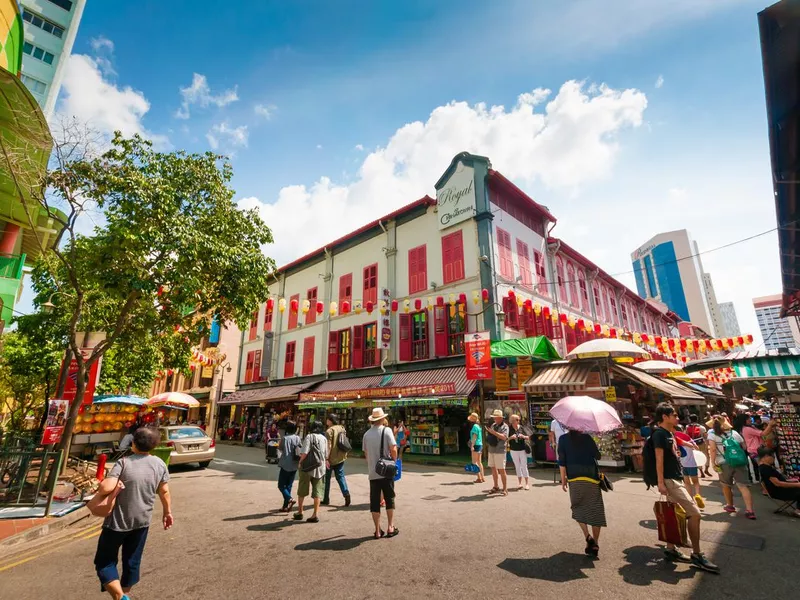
582 413
114 399
173 399
659 366
609 347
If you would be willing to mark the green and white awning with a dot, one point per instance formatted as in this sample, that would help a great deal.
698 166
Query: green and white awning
772 366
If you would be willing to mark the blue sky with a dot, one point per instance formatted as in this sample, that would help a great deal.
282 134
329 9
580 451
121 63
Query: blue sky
362 105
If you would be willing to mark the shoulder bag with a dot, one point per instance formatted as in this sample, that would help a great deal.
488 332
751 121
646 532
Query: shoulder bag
102 505
385 467
343 442
312 460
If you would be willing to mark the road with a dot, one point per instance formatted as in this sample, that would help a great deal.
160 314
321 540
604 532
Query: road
229 542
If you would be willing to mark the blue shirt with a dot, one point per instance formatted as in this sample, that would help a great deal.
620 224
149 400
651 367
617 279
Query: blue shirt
579 454
477 433
286 447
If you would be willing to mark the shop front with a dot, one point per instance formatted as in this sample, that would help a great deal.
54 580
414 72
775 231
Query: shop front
243 415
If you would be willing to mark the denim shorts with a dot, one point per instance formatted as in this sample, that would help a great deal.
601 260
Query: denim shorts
478 449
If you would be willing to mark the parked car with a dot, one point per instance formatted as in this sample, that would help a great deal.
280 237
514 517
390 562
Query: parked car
189 444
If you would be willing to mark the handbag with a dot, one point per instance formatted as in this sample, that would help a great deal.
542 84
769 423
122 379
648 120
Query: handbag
385 467
343 442
312 460
399 473
671 520
605 483
102 505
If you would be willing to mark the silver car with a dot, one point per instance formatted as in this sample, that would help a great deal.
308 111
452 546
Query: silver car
189 444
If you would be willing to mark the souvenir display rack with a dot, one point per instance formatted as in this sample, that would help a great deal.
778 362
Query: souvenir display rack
425 432
788 438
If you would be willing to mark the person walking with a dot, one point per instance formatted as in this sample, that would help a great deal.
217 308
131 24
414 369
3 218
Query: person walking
476 445
312 470
401 436
518 444
379 442
288 460
699 434
662 469
577 461
142 477
496 436
336 460
727 452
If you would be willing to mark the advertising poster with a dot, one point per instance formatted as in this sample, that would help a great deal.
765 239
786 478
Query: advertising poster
477 347
57 413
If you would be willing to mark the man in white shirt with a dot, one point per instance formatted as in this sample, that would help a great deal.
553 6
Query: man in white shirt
556 431
379 442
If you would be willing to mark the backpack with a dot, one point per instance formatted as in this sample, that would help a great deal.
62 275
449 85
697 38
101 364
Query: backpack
343 442
649 473
733 452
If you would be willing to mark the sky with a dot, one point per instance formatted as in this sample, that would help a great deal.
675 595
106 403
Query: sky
626 118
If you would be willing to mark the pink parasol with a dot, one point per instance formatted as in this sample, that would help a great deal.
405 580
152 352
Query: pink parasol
582 413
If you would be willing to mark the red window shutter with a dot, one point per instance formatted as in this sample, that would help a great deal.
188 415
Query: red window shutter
405 337
447 259
311 315
308 355
333 351
512 313
256 366
345 288
248 371
440 330
422 268
524 263
412 270
292 314
370 284
288 365
253 326
528 323
457 250
504 248
358 347
268 319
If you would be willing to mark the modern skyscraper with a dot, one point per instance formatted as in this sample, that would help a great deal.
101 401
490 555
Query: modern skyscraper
668 268
730 324
777 332
50 28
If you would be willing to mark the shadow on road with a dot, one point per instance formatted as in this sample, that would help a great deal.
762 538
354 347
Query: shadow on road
274 526
647 564
335 544
351 508
559 568
256 516
477 498
450 483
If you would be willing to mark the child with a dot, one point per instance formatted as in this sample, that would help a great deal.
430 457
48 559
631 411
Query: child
690 469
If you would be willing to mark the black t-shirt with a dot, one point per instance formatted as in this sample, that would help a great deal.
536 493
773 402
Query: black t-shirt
515 444
672 465
768 471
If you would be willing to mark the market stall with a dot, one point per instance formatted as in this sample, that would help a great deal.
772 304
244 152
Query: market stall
105 421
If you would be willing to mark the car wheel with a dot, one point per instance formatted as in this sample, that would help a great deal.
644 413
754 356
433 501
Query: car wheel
204 464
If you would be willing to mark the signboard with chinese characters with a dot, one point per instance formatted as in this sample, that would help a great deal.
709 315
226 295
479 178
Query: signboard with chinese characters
434 389
71 386
386 321
524 370
502 380
478 352
455 202
611 394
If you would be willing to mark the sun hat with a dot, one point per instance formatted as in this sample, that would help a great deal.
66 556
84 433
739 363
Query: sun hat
377 415
474 418
498 413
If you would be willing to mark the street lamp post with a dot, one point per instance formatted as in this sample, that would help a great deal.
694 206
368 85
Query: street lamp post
215 399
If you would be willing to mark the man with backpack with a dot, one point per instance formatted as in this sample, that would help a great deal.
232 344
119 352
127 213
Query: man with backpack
339 446
726 449
662 469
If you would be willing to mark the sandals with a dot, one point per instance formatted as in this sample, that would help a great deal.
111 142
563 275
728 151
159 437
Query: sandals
380 535
297 516
592 549
393 532
505 492
494 490
312 520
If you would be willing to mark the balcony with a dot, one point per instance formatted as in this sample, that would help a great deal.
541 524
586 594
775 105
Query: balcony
11 266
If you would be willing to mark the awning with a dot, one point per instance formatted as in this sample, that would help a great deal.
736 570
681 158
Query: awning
774 366
560 377
675 391
451 381
538 348
262 395
706 391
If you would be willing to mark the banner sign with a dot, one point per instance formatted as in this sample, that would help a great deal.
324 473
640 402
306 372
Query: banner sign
478 351
386 324
434 389
524 370
57 413
71 386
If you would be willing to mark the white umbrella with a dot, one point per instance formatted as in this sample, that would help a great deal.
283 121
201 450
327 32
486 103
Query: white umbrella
696 376
609 347
659 366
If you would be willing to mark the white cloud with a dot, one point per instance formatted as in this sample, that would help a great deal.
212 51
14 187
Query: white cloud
359 147
222 135
570 142
101 44
660 82
319 146
103 105
199 94
265 110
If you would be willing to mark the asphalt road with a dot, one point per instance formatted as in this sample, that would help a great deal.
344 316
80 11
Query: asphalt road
230 542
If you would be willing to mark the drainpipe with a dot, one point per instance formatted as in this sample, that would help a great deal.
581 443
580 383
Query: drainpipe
326 325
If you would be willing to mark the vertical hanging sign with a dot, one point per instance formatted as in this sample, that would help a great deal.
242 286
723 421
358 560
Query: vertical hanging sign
477 347
386 323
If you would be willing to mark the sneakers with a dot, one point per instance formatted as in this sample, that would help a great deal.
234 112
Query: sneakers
750 515
701 562
347 500
701 503
730 509
676 555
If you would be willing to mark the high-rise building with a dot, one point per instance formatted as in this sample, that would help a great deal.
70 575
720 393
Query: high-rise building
50 28
777 332
730 324
668 268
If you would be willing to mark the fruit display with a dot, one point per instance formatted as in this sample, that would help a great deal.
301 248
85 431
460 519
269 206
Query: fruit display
105 418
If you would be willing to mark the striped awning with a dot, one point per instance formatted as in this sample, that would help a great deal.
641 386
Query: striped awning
277 393
773 366
559 377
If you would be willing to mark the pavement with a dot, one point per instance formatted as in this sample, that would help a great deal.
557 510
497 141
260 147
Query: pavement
229 541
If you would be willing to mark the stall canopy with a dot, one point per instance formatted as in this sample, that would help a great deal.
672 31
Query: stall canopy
539 348
278 393
784 364
705 391
560 377
674 391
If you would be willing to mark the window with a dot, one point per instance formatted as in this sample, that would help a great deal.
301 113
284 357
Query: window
339 349
562 288
256 375
453 257
584 292
294 300
598 306
345 288
34 85
43 23
624 308
370 284
311 315
512 313
65 4
541 274
524 264
38 53
573 286
288 366
308 355
268 310
414 336
365 345
612 307
344 349
248 368
253 334
449 326
417 270
504 250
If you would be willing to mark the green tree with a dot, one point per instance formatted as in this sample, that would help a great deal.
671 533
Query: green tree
171 251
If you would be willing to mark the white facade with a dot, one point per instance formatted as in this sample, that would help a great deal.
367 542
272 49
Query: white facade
50 27
777 332
730 323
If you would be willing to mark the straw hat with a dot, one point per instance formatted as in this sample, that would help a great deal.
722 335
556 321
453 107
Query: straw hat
474 418
377 415
498 413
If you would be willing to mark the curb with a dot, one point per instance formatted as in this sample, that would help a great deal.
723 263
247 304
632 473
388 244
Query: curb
46 529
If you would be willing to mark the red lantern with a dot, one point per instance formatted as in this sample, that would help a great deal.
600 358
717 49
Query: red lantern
683 344
528 305
696 345
581 324
671 344
345 308
740 339
598 329
546 312
418 304
270 304
659 341
645 338
394 305
293 306
370 307
748 339
192 367
563 318
440 301
320 308
612 333
485 295
462 298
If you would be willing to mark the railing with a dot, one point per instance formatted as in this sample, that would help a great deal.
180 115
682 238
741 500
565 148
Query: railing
24 474
11 265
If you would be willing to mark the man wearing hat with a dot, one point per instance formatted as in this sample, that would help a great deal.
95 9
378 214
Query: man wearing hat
496 437
379 441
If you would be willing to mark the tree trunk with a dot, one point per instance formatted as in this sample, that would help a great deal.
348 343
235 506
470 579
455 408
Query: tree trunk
80 389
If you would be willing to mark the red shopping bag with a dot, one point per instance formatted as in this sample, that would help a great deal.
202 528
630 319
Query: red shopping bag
671 519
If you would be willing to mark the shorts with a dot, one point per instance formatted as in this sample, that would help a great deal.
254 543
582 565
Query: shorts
477 449
497 460
317 485
690 471
731 476
381 487
677 493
